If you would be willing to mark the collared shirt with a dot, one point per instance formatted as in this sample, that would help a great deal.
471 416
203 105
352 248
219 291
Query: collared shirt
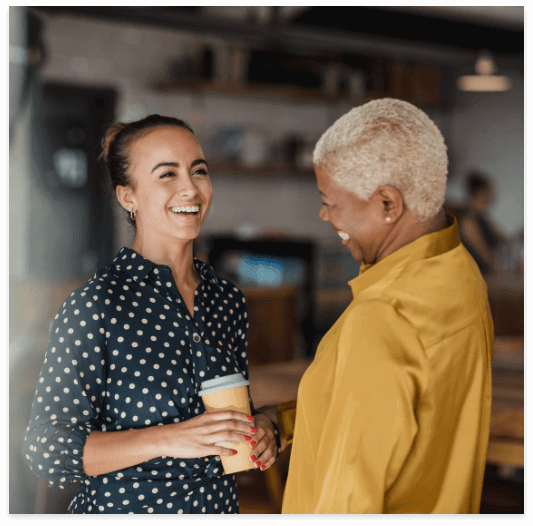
125 353
393 413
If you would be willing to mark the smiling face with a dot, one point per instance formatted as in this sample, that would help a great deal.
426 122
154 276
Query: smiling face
362 225
171 191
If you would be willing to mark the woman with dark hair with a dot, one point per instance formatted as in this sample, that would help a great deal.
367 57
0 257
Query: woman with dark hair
478 233
117 404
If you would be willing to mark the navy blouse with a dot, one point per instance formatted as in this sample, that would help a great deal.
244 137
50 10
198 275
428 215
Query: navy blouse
124 353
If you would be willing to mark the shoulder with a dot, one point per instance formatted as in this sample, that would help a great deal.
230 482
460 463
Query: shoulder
90 296
379 331
230 290
226 288
374 315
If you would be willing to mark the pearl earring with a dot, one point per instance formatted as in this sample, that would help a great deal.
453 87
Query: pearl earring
387 219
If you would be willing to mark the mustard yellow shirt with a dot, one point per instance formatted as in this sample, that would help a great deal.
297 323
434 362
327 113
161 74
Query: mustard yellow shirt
393 413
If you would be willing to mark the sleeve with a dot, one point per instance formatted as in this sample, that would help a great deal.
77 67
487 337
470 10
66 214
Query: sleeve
371 421
70 392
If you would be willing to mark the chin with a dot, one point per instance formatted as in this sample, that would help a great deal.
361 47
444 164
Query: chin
358 257
355 254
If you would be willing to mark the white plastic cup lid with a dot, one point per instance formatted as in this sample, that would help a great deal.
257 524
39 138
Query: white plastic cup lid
224 382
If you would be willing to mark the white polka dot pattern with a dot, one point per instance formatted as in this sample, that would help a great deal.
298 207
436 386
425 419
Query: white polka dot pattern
124 353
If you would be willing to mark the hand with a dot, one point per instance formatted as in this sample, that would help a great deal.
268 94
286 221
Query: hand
197 436
264 447
271 412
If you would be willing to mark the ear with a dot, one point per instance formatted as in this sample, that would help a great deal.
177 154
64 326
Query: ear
392 201
126 198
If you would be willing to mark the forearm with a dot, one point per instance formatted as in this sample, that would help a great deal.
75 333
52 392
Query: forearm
105 452
270 412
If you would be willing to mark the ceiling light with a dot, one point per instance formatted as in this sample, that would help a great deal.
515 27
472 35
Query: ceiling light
484 80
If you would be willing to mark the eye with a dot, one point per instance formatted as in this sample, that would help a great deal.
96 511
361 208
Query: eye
200 171
167 174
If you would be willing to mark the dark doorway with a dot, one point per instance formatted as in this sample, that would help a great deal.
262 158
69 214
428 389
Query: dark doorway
71 219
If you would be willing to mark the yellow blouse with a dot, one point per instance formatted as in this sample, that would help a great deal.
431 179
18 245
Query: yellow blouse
393 413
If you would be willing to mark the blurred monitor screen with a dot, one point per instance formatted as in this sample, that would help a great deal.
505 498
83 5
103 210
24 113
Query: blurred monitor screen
254 269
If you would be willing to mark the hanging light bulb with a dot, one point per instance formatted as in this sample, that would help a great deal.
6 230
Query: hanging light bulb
484 79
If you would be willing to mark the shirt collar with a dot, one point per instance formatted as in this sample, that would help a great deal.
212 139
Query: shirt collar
426 246
137 267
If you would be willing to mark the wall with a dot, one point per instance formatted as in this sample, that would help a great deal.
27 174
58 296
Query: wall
484 130
487 131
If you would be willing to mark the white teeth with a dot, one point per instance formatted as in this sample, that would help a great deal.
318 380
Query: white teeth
179 209
343 235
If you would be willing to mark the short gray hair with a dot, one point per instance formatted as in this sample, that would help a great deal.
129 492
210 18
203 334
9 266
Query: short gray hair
388 142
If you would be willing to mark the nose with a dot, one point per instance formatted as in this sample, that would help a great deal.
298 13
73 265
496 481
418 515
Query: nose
323 214
187 188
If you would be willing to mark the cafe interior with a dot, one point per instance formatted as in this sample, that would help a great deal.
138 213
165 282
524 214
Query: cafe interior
258 85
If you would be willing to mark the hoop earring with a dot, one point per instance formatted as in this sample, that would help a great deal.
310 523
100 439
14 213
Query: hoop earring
132 214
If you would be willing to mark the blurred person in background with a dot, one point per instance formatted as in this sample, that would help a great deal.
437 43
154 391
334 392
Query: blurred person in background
479 234
393 413
117 404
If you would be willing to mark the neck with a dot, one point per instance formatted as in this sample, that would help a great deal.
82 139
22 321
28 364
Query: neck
177 255
403 234
437 223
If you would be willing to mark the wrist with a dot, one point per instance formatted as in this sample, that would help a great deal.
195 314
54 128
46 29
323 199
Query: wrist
270 412
276 430
160 439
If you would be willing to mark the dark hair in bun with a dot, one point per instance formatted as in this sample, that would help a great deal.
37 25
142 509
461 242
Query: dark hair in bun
118 139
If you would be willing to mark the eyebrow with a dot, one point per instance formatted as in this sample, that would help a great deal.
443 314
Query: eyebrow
176 165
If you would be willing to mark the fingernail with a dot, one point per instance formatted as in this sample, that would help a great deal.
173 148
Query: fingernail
258 463
253 443
250 418
263 467
254 430
234 452
252 458
248 438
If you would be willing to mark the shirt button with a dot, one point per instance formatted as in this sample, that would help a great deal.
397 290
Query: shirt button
196 338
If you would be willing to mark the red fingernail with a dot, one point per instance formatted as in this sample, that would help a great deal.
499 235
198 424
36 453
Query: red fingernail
253 443
254 430
263 467
251 418
258 463
248 438
234 452
253 457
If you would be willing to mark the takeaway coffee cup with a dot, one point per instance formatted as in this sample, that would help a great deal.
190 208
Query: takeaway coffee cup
229 393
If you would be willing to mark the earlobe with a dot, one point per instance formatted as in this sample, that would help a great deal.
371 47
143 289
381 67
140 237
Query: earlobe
125 198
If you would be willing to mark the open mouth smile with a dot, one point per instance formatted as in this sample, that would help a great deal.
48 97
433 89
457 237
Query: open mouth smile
186 210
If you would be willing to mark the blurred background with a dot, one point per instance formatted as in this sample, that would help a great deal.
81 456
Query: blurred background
259 85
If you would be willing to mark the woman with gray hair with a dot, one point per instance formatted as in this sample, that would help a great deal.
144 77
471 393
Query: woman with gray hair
393 413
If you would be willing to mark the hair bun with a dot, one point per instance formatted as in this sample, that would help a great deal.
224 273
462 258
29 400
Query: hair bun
109 137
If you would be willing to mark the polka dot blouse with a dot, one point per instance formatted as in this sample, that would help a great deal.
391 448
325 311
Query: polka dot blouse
124 353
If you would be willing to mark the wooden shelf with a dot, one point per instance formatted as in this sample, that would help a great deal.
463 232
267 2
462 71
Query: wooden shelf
257 91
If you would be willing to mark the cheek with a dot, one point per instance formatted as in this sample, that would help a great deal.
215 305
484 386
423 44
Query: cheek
207 191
